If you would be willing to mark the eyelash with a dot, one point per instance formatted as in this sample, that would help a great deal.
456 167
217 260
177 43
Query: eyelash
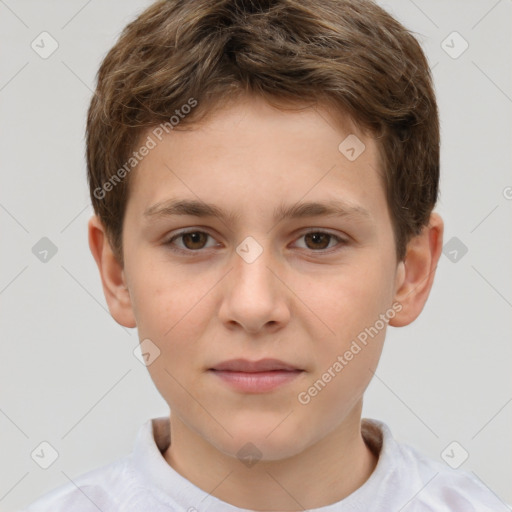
189 252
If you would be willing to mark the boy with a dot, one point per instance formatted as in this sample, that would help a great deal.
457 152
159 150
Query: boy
263 175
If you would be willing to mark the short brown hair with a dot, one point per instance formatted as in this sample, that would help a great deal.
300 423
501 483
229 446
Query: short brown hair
348 53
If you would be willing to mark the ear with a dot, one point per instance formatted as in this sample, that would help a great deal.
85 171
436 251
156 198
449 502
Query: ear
112 275
415 274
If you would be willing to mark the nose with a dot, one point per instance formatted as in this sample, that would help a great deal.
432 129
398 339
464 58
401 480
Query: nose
254 296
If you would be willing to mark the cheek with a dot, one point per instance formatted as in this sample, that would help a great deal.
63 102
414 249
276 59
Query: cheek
173 309
349 300
351 305
163 297
168 316
173 320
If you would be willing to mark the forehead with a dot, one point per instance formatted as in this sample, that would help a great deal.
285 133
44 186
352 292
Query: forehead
250 154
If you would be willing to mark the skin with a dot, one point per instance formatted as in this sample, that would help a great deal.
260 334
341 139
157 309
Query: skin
303 300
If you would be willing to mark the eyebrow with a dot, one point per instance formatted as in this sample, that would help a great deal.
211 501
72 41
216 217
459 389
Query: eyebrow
196 208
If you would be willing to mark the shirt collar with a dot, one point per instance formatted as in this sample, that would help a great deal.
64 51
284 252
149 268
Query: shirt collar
154 437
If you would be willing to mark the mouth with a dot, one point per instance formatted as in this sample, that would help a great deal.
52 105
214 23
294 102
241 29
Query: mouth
246 366
255 376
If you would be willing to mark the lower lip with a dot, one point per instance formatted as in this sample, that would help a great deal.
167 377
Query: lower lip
257 382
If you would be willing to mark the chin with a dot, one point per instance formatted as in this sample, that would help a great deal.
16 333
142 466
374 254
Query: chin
256 443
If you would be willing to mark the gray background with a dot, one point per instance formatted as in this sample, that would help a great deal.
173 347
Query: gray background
68 373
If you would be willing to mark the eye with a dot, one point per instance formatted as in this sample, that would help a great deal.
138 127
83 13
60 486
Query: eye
321 240
192 241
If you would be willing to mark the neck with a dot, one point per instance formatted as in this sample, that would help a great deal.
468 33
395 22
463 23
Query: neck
324 473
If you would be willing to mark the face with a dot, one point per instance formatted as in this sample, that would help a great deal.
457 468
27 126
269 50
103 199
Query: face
253 283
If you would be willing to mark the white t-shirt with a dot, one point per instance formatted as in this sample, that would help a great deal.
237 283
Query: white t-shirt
403 480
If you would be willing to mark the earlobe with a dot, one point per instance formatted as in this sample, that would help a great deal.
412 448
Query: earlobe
112 274
415 275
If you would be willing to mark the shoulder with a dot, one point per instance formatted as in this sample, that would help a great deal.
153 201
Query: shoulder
433 485
455 488
124 484
100 488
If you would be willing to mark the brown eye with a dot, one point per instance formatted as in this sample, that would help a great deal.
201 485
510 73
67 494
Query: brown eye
194 240
317 240
321 241
191 241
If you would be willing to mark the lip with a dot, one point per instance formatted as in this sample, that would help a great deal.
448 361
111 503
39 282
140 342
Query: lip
246 366
255 376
